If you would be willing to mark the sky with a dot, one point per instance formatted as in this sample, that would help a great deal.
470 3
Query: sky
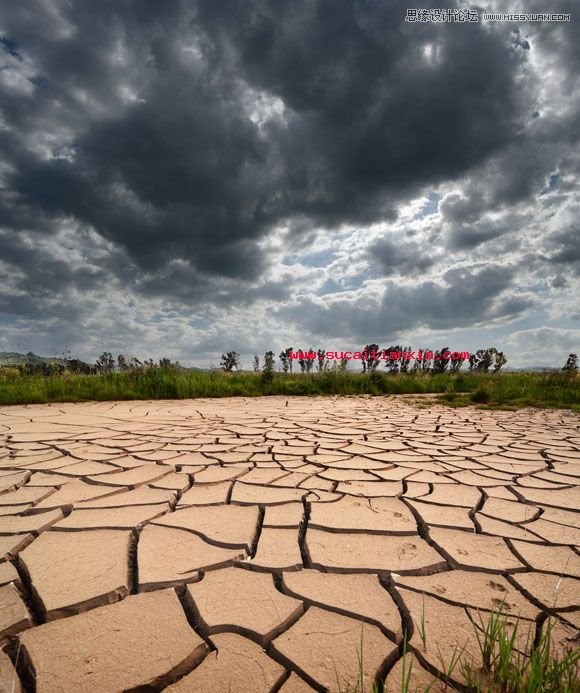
184 178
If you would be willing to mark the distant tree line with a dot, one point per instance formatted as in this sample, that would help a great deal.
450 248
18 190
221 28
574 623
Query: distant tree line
397 359
488 360
423 361
106 363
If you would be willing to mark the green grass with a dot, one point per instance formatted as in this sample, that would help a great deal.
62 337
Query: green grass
512 391
487 390
423 632
506 669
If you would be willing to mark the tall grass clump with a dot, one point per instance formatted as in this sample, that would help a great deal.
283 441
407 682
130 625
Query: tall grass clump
507 667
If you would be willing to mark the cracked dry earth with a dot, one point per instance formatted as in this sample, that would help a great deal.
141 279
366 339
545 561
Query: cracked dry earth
245 544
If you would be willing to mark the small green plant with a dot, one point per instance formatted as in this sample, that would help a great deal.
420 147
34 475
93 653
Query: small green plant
507 667
536 668
472 677
361 671
360 684
423 632
406 675
450 667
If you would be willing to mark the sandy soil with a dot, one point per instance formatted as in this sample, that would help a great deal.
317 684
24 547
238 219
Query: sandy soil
253 544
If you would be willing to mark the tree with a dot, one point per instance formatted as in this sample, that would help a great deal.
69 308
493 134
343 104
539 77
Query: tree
392 364
399 362
77 366
310 361
122 363
135 364
456 365
105 363
321 360
268 369
256 363
289 351
473 360
371 361
426 358
230 361
306 362
483 359
571 365
500 361
480 361
405 362
440 364
285 359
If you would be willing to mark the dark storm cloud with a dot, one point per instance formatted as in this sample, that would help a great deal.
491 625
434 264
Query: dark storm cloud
371 116
180 171
564 250
37 285
168 168
466 299
467 237
187 285
457 209
400 257
560 38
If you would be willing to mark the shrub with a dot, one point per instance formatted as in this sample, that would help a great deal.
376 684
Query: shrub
481 396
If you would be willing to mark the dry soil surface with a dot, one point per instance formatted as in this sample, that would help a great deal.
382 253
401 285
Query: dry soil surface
271 544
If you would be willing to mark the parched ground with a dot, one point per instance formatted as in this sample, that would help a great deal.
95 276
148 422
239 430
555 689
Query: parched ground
254 544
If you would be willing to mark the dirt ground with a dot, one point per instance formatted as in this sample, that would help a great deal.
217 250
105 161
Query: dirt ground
278 544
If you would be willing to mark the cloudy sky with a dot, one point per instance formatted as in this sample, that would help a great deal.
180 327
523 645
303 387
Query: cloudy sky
182 178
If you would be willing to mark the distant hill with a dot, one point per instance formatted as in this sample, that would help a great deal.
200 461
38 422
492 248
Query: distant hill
532 369
12 358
